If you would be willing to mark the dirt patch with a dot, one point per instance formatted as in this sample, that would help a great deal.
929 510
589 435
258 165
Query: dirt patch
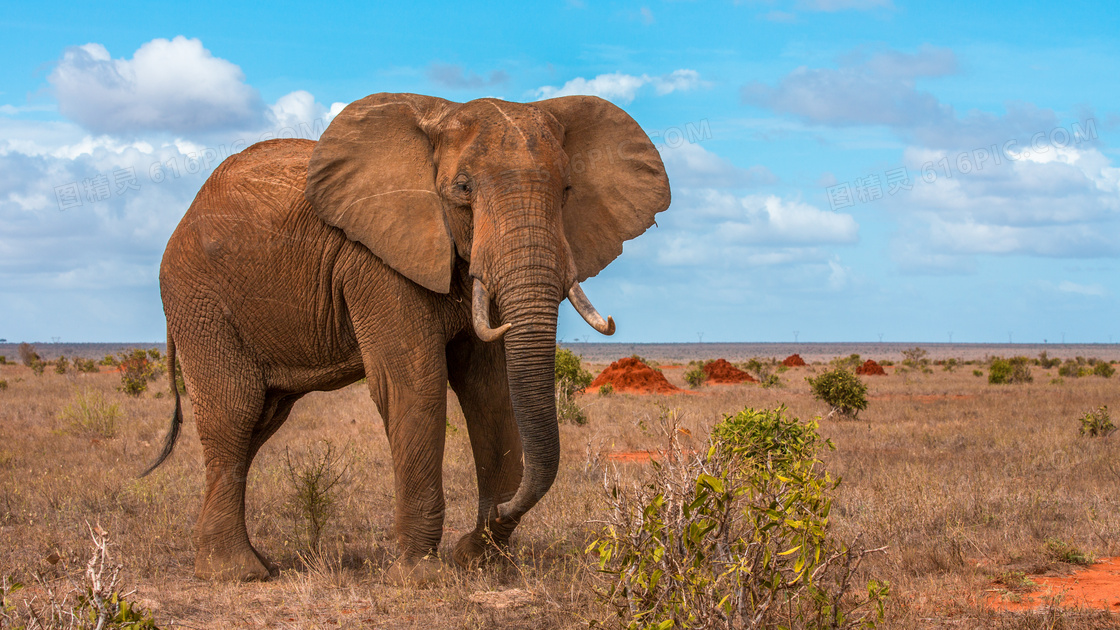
720 372
793 360
1097 586
631 376
871 368
642 456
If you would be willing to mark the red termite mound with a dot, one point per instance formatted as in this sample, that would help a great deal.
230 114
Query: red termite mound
631 376
793 360
723 373
871 368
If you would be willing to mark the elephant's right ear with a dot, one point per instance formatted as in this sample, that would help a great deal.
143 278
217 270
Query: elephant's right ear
372 174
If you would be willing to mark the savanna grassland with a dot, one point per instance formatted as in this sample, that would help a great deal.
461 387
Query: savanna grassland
964 482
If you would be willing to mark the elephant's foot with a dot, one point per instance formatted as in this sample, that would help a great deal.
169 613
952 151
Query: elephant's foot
413 571
482 547
241 565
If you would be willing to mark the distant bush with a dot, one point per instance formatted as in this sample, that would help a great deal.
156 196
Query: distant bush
606 389
137 370
109 360
978 373
915 358
1013 370
1097 423
696 376
1104 369
1072 368
571 378
62 365
27 354
850 362
91 415
3 384
841 390
85 365
3 360
1046 362
739 538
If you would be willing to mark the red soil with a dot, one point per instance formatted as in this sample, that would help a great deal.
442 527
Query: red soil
871 368
1097 587
793 360
721 372
631 376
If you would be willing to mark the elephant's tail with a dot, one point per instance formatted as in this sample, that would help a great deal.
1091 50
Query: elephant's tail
177 415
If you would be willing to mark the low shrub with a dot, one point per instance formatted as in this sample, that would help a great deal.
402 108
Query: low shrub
1072 368
88 366
978 373
1103 368
1096 423
1013 370
571 378
606 389
841 390
737 538
316 478
61 365
27 354
90 415
696 376
1046 362
137 370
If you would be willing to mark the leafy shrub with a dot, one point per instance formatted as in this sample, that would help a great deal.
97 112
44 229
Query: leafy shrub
1097 423
841 390
3 359
316 477
1104 369
109 360
978 373
1013 370
91 415
85 365
915 358
37 366
850 362
606 389
1046 362
3 384
571 378
27 354
696 376
61 365
137 370
1072 368
764 373
1065 552
949 365
736 538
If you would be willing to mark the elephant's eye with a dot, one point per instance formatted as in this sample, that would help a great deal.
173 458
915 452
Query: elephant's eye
462 185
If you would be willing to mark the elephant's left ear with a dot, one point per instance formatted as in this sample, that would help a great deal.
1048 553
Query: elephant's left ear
372 174
618 179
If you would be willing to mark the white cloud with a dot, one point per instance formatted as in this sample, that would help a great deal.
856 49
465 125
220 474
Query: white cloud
690 165
623 88
1091 290
168 85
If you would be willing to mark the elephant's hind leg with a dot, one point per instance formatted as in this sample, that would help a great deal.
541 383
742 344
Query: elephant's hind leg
231 433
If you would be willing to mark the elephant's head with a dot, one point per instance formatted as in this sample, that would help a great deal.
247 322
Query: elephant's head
536 197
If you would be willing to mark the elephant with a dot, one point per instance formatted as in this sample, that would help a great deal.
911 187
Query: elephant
419 243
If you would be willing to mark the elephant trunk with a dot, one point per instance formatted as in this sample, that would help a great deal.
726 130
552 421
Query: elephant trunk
529 285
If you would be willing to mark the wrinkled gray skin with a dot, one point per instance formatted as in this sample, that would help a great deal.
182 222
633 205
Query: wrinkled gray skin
304 266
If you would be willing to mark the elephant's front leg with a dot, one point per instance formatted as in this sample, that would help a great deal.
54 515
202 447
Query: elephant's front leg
477 372
416 424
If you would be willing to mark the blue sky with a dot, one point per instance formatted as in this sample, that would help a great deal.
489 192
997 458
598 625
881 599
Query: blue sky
841 169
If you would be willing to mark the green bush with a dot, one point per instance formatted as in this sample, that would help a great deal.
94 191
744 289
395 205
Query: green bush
1104 369
61 365
85 365
850 362
1097 423
696 377
606 389
90 415
841 390
1072 368
3 359
137 370
915 358
978 373
571 378
109 360
1046 362
1013 370
3 384
737 538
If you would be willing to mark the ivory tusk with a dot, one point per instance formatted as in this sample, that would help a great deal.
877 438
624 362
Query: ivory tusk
481 315
583 306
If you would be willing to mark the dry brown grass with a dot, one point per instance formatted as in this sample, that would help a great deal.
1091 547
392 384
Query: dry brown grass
962 480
